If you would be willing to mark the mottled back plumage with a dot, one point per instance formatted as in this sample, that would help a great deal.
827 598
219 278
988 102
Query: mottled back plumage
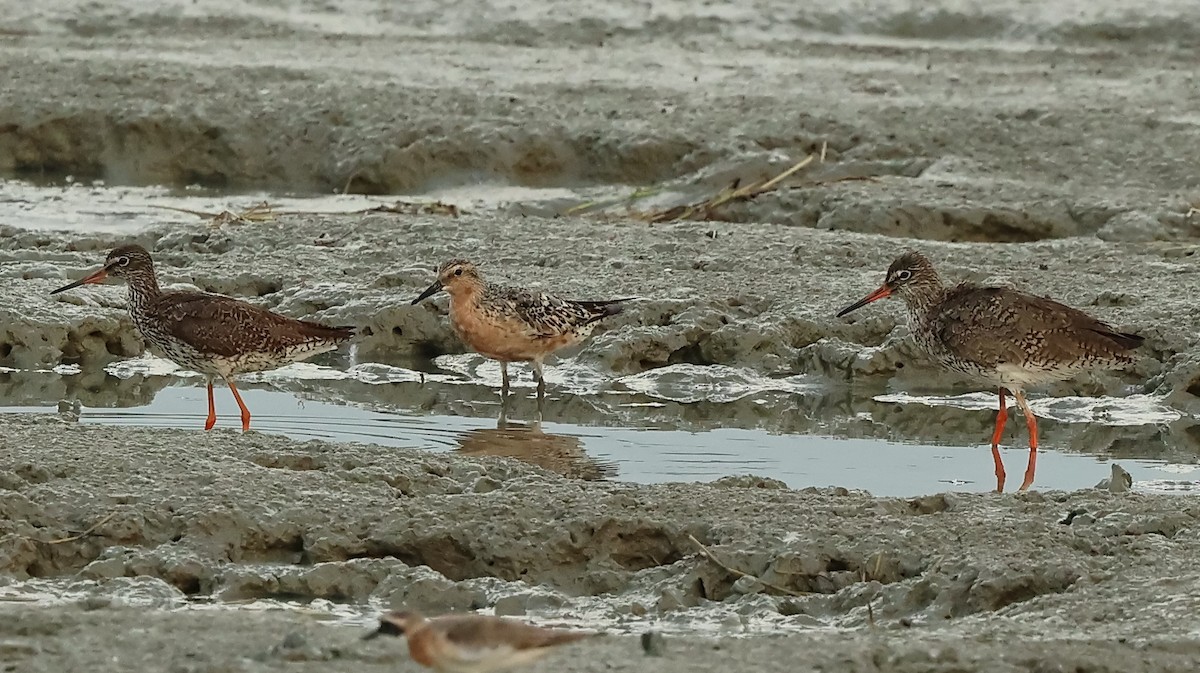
545 316
223 326
481 631
472 643
978 331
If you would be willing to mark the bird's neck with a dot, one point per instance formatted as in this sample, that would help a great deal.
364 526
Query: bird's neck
414 628
143 287
465 294
923 300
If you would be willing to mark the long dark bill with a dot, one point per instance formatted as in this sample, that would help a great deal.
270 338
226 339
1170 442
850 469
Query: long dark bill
429 291
97 277
883 291
386 628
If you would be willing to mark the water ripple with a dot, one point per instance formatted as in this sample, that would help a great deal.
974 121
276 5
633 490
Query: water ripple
1113 411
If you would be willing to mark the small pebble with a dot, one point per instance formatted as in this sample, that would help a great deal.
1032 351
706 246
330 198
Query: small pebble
1070 517
509 606
652 643
747 585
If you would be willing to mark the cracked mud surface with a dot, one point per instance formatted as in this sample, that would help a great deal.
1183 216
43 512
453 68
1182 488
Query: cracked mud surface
244 517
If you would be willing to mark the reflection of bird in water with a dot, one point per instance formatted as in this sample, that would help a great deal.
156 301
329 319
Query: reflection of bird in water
562 454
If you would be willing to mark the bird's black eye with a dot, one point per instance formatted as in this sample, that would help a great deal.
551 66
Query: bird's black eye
458 272
903 275
123 261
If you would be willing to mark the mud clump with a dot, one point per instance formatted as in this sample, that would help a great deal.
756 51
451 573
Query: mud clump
276 519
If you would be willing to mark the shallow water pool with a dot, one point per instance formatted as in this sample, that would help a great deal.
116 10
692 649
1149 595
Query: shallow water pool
678 423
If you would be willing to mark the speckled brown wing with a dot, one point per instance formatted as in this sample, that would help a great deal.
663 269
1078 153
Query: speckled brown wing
483 632
546 316
997 325
223 326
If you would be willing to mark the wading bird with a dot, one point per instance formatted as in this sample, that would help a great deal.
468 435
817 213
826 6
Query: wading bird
1000 337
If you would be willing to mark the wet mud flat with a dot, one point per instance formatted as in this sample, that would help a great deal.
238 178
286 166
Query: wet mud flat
698 306
142 530
1048 147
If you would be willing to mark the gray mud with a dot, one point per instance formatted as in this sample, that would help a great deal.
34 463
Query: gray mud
700 302
1048 146
238 517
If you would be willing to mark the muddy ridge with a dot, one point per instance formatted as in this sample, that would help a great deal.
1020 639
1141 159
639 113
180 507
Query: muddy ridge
252 516
523 525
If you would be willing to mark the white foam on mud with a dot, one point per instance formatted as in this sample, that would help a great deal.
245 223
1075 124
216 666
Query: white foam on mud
135 592
350 614
714 619
587 612
1170 486
147 365
371 373
97 208
61 370
1183 485
688 383
1179 468
149 592
42 592
567 376
685 383
1130 410
463 369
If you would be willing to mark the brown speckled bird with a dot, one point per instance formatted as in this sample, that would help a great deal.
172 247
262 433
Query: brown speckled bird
513 324
472 643
213 335
1001 337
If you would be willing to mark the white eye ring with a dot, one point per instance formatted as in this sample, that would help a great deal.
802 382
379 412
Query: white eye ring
123 261
903 274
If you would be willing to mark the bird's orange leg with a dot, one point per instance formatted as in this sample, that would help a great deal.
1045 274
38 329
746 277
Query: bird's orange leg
1001 419
212 409
1031 421
241 404
540 377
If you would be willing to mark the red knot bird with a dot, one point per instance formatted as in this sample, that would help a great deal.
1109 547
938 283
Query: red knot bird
213 335
513 324
1001 337
472 643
